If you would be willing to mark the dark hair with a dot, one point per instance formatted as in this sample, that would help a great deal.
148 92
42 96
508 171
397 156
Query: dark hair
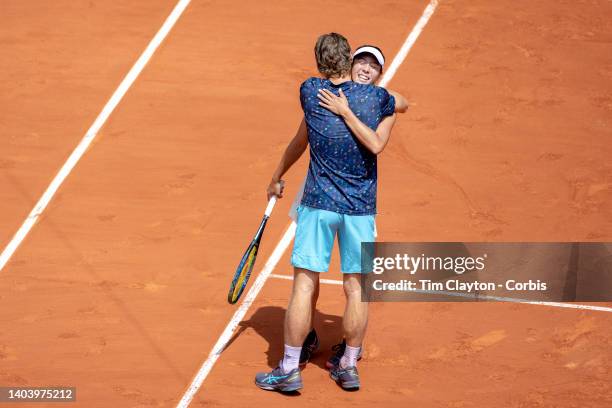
368 45
333 54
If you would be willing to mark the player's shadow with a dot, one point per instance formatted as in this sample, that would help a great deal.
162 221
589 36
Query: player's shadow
267 321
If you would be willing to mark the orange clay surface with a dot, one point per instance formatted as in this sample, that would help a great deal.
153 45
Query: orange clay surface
120 289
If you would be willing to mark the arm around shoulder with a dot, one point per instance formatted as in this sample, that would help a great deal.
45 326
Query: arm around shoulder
401 104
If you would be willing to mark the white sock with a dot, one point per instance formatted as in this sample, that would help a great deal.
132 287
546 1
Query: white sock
291 359
349 359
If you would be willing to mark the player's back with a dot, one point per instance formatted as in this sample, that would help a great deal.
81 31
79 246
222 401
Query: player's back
342 170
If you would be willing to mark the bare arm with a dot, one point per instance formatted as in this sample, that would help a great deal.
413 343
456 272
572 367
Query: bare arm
374 141
401 104
293 152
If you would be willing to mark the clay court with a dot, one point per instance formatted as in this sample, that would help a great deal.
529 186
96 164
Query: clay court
119 288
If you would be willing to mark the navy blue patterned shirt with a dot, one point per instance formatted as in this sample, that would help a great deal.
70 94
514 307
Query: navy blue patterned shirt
342 173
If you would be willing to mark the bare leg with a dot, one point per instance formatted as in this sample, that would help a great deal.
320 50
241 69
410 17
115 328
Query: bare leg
298 319
315 298
355 318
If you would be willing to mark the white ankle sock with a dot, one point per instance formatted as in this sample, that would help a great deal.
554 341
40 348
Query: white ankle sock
291 359
349 359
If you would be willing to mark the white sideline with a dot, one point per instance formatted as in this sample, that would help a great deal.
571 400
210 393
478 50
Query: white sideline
410 40
227 334
484 297
79 151
287 237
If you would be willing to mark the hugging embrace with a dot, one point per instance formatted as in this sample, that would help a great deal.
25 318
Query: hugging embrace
347 123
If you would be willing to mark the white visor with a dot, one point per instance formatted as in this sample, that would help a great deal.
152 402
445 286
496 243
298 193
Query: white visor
371 50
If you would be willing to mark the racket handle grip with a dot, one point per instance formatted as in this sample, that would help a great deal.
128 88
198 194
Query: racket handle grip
272 201
270 206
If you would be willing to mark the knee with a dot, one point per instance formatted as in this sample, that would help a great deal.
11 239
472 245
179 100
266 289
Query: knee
352 286
305 283
304 288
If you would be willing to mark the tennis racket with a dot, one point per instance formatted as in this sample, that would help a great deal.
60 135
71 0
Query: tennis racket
243 272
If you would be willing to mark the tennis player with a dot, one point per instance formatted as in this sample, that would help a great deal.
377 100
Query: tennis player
339 198
367 67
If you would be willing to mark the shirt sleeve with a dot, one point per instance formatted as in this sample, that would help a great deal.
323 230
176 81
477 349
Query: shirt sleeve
306 93
387 103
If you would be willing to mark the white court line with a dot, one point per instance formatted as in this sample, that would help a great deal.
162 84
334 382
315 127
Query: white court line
473 296
79 151
237 318
288 277
285 241
410 40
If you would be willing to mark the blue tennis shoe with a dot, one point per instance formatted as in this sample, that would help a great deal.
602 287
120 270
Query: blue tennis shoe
277 380
347 378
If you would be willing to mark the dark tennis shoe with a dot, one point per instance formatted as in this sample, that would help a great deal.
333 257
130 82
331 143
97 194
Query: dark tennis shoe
338 350
310 346
277 380
347 378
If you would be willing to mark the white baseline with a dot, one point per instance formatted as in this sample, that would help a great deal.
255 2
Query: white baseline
565 305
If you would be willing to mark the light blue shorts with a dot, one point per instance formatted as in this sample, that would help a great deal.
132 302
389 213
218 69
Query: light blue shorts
315 234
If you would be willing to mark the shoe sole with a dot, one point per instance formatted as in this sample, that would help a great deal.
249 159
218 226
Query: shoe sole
289 388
